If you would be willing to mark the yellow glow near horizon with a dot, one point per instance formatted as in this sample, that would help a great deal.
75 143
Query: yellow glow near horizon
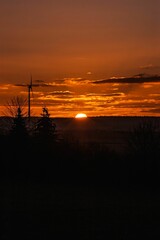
81 115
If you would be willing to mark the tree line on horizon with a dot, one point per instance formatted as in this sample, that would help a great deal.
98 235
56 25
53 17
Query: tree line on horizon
35 152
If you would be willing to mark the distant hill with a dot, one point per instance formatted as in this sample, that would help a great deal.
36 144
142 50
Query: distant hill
105 131
111 123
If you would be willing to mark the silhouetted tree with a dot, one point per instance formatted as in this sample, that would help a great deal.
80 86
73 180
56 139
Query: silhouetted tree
45 127
143 146
18 146
13 104
144 139
15 109
19 130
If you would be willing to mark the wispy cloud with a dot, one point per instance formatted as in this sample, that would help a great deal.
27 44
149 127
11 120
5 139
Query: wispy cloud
150 67
4 87
42 84
105 94
67 81
153 110
76 80
61 93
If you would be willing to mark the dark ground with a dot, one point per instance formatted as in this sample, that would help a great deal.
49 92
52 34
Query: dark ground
65 191
48 211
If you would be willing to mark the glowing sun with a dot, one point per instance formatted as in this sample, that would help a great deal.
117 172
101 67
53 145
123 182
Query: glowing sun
81 115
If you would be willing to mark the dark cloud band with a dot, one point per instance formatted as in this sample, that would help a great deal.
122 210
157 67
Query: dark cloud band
140 78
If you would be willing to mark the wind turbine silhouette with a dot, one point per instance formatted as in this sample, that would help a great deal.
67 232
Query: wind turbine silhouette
29 97
29 86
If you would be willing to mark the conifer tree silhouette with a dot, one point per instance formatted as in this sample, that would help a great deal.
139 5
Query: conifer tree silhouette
45 127
19 130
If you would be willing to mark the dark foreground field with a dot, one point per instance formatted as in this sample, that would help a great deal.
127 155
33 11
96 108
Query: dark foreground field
65 189
80 205
44 211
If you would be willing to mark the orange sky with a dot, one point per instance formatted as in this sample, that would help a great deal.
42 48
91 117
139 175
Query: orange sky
70 45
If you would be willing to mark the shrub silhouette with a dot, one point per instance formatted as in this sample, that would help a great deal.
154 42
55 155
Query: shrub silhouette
144 140
143 149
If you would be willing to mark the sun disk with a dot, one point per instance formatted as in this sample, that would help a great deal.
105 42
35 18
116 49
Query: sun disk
81 115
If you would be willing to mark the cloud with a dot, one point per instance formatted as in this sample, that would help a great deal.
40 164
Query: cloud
155 95
68 81
58 82
105 94
61 93
153 110
39 81
139 78
150 67
76 80
34 85
4 87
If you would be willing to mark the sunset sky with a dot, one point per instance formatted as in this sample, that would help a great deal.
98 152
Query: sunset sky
100 57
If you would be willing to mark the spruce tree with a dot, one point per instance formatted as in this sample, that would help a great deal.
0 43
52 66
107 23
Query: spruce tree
45 127
18 129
